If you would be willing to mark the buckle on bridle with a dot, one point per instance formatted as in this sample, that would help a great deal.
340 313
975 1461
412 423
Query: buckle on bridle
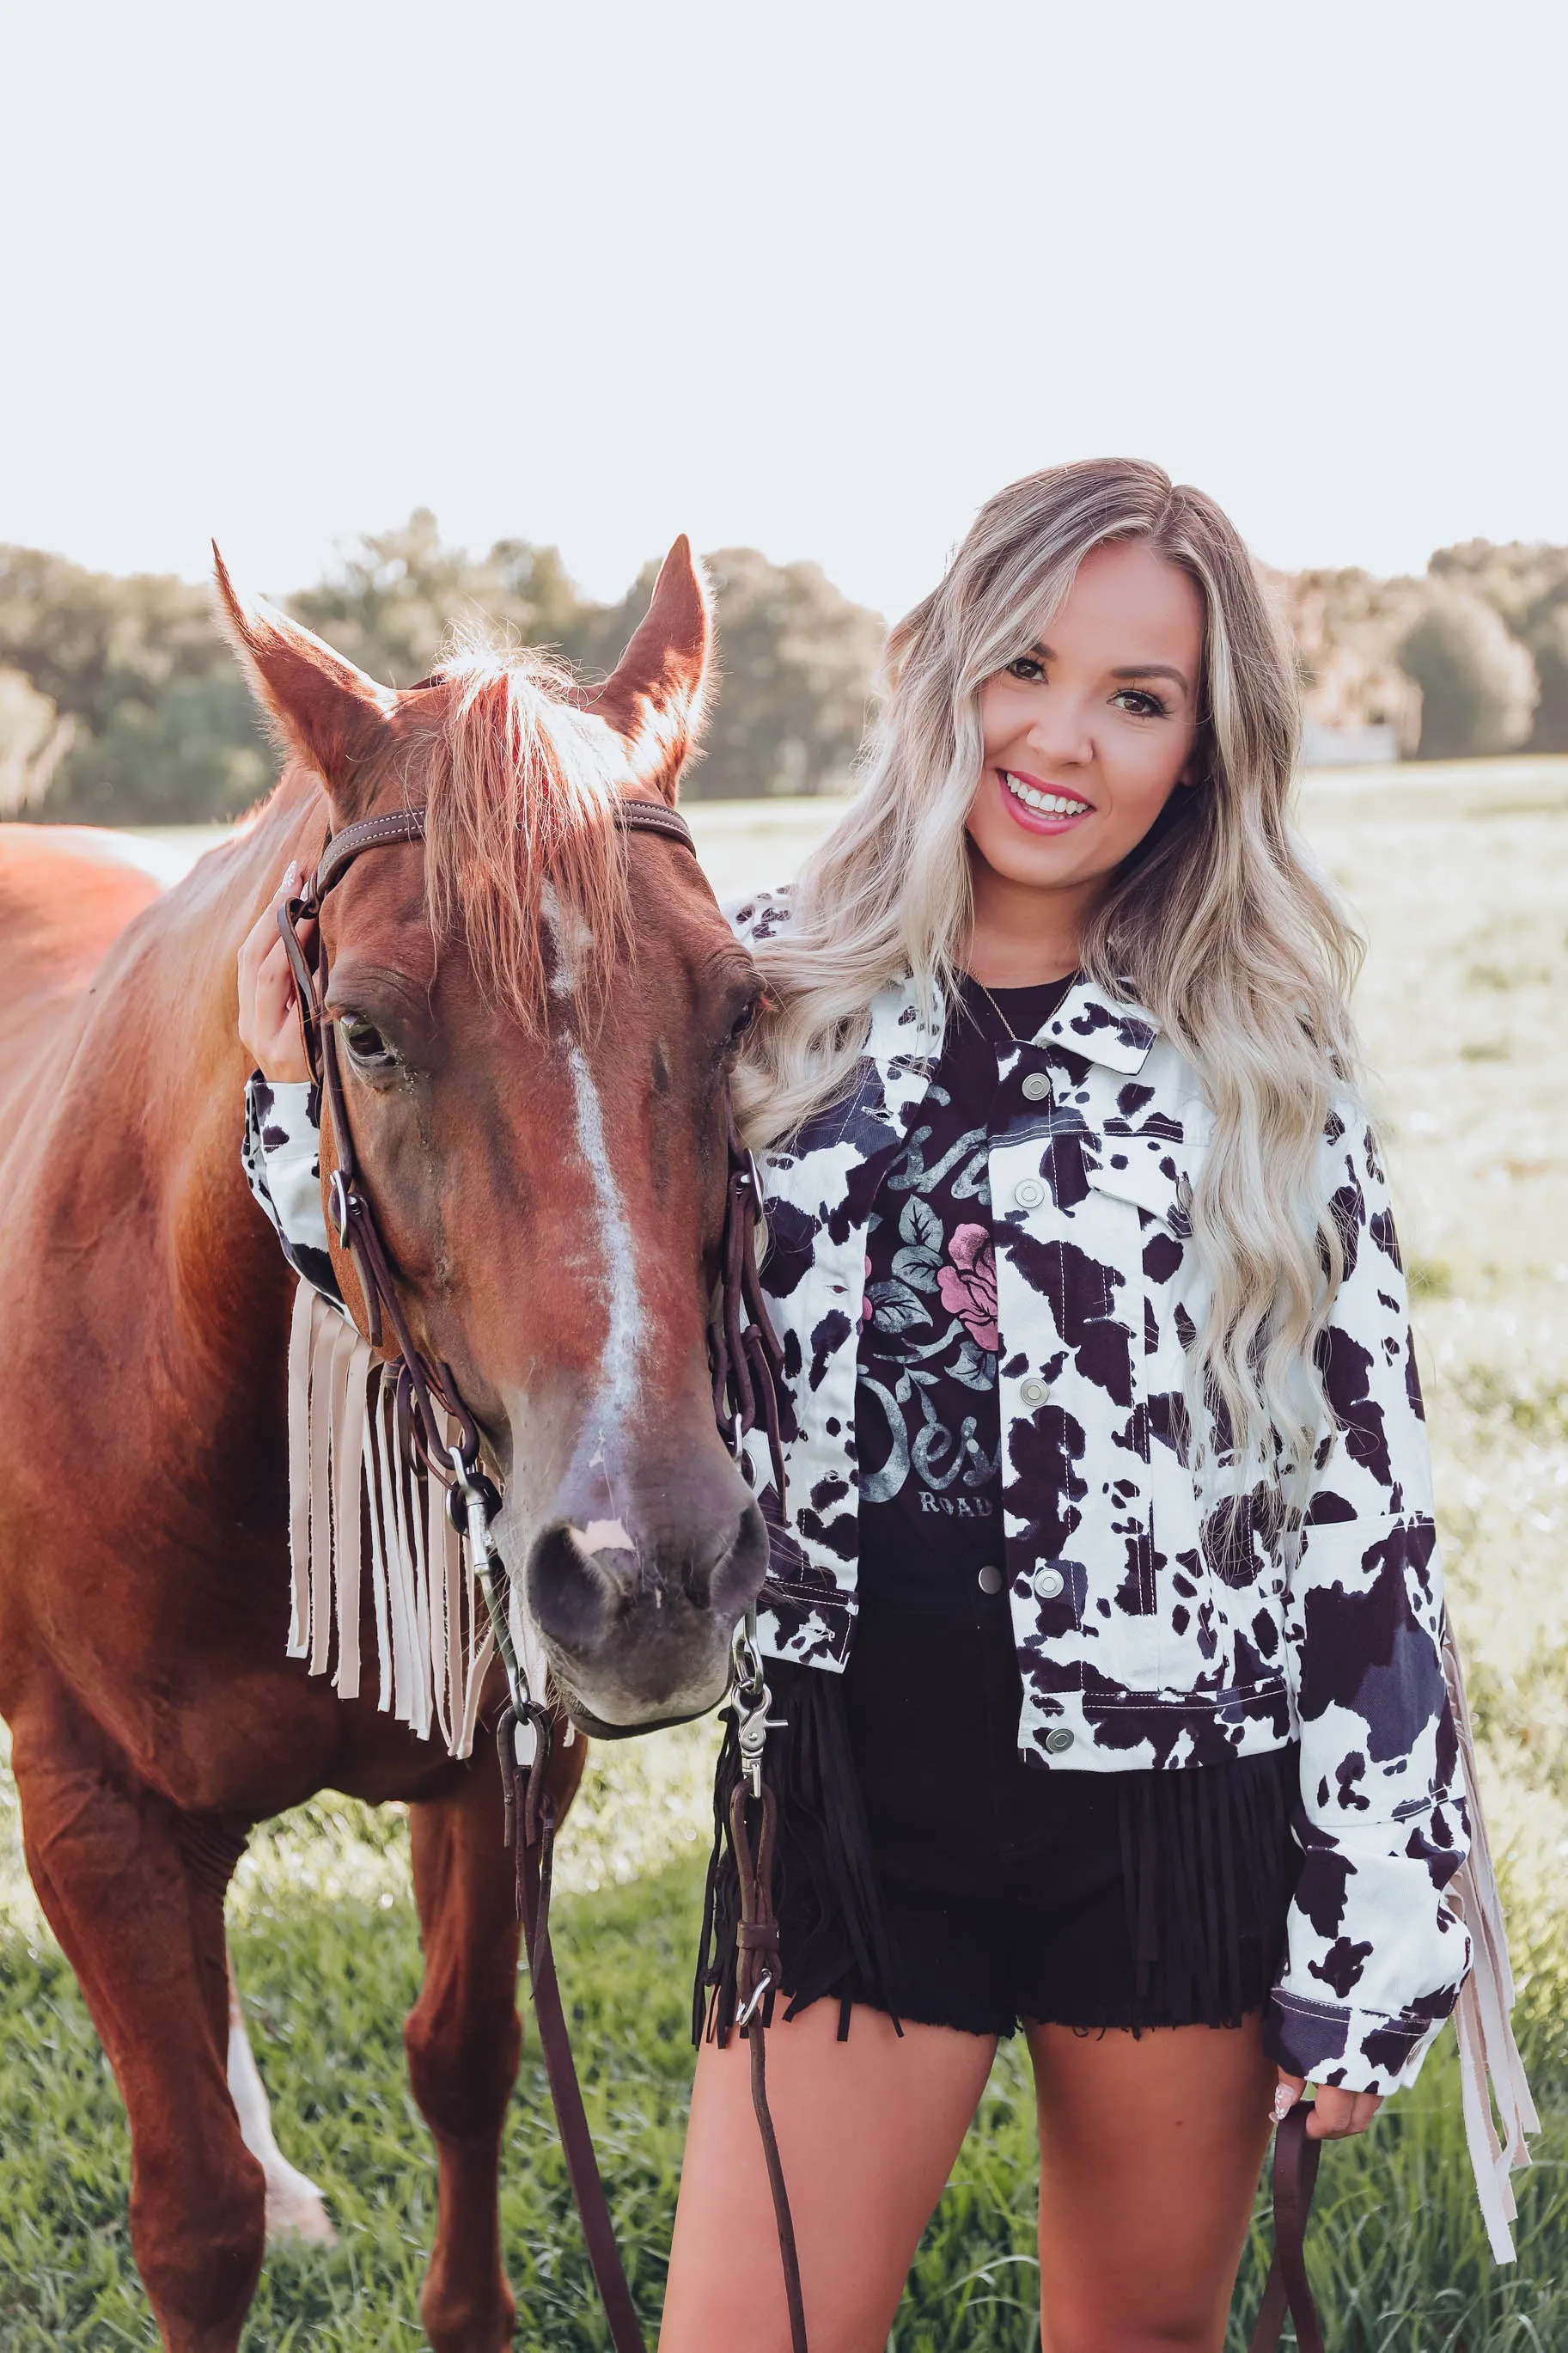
344 1204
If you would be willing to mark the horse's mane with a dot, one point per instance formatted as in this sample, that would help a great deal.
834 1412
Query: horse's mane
523 861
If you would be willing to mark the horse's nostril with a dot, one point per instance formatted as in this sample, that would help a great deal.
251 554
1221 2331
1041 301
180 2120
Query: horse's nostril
723 1576
577 1590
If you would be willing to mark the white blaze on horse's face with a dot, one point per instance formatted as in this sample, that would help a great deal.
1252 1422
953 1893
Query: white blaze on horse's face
620 1363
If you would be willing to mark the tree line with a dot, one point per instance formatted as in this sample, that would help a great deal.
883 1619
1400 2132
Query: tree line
120 704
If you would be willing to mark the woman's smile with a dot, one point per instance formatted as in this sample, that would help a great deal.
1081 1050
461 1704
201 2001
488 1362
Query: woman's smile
1040 807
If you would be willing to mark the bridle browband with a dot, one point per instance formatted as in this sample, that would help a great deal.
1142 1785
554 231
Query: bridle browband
746 1362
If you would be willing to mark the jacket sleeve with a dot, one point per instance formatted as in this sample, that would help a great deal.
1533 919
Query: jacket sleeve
1375 1957
280 1155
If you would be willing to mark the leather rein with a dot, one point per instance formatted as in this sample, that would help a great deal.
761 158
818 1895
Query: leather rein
746 1361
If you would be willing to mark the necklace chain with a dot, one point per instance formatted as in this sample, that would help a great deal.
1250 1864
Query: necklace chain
1001 1016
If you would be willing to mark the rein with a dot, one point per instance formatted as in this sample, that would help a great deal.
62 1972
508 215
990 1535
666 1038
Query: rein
746 1362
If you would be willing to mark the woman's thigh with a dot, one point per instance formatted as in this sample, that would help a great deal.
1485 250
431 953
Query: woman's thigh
867 2131
1150 2150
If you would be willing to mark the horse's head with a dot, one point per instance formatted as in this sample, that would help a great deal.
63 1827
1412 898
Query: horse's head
535 1017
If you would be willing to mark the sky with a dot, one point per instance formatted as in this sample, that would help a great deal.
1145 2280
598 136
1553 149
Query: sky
815 279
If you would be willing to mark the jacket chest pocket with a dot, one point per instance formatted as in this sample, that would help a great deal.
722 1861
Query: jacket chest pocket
1153 1188
1144 1196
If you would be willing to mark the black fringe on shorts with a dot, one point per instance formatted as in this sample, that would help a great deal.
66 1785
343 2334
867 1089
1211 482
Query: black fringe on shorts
1208 1860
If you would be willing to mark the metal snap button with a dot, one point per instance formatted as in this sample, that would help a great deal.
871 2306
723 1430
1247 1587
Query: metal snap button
990 1580
1048 1583
1029 1193
1033 1392
1058 1738
1037 1086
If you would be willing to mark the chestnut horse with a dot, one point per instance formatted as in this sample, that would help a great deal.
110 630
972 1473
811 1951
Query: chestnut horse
536 1015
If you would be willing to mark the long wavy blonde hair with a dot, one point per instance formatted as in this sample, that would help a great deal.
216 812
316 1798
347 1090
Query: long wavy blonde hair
1218 924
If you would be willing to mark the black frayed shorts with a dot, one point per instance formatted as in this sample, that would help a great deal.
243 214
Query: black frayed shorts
956 1886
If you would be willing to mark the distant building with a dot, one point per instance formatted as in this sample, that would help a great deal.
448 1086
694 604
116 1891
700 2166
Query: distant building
1325 746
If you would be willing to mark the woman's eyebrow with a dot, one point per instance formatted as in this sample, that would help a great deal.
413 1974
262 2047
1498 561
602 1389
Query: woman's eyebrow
1155 669
1133 669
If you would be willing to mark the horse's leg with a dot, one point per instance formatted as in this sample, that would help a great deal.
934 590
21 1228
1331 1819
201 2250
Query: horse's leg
464 2039
134 1893
295 2207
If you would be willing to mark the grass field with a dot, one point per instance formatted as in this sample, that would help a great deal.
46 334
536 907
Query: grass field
1459 875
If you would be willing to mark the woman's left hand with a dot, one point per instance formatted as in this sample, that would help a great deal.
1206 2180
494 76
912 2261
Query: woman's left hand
1336 2115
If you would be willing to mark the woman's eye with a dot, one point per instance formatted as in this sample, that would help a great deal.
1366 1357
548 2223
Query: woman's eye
1142 705
1029 668
366 1042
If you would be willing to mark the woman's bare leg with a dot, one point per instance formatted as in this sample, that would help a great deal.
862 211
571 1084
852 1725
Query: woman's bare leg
1149 2149
867 2130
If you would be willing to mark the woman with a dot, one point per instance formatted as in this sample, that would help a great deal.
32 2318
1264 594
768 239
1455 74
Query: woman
1105 1615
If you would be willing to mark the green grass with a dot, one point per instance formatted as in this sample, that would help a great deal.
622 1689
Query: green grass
1400 2258
1461 1009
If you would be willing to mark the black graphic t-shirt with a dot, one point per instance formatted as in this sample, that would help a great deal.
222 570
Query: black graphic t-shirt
927 1423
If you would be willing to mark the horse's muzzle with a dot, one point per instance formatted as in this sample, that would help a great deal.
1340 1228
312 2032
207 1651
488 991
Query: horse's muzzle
636 1613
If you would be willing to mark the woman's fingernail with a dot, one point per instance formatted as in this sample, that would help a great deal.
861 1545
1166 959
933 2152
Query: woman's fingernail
1285 2099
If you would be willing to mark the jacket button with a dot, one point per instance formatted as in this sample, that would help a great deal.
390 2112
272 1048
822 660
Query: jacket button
1033 1392
1037 1086
1029 1193
1058 1738
1048 1583
990 1579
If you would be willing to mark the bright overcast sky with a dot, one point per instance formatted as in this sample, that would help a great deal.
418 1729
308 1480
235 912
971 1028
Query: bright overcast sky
815 277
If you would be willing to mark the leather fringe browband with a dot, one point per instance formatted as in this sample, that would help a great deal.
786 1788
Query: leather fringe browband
350 1474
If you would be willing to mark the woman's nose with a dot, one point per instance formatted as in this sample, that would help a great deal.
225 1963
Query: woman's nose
1060 734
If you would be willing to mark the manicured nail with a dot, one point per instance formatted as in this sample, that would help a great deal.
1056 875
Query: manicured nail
1285 2099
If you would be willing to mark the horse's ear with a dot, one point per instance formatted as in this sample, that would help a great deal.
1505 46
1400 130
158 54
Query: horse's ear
656 696
322 708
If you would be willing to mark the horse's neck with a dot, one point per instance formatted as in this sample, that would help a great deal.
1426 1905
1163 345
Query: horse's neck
146 1127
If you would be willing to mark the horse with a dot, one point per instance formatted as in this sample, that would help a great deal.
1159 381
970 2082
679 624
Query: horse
537 1011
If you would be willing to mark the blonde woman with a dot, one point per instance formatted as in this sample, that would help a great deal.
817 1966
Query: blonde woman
1104 1614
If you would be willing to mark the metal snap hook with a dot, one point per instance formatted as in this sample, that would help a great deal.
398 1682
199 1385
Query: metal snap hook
746 2009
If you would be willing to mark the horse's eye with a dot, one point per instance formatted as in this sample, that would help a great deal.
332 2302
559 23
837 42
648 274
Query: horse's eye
365 1043
743 1021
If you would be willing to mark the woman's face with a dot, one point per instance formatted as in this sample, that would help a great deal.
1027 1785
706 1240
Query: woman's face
1089 734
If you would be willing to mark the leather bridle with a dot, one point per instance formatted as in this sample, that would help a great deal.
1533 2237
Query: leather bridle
746 1358
746 1362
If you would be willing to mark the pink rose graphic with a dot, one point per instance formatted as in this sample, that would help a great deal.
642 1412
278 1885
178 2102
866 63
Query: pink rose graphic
968 1287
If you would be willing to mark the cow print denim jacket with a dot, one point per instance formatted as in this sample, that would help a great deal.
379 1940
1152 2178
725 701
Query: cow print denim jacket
1156 1626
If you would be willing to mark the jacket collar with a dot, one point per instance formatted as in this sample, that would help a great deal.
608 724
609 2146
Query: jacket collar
1102 1029
1089 1022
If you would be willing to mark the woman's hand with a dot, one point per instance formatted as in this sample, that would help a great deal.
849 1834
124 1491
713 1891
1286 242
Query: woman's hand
268 1006
1336 2115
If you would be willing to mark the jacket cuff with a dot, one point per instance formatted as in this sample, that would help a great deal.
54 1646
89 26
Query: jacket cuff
287 1145
1353 2049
